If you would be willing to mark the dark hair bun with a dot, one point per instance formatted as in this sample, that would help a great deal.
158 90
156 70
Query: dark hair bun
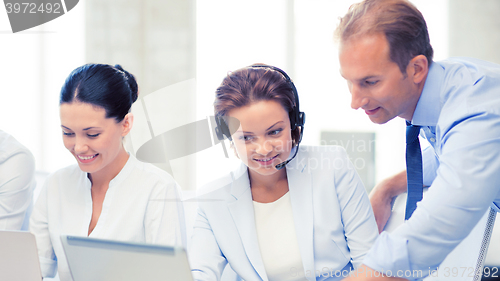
134 91
103 85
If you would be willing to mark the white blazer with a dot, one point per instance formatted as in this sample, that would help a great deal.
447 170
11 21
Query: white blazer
334 221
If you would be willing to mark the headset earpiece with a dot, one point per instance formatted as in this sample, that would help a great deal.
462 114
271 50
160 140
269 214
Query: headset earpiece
222 129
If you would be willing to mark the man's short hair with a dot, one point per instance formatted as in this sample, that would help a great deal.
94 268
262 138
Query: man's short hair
399 20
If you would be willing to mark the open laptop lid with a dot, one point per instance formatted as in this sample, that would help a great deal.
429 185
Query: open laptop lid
19 257
106 260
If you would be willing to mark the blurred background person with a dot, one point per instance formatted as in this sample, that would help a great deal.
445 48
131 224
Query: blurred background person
17 182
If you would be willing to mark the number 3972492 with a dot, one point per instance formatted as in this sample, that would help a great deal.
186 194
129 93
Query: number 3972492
33 8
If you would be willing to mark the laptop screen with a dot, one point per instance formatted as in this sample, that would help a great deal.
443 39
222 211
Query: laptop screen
19 256
98 259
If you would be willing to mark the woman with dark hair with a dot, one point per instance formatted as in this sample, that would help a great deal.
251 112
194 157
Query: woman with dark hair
286 213
109 194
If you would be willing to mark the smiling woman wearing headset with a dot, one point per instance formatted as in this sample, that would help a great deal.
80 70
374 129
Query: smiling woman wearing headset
109 194
287 213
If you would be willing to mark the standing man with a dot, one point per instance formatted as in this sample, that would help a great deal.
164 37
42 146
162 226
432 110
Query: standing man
386 57
17 182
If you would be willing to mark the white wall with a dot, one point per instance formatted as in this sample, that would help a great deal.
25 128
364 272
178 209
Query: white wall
33 66
230 35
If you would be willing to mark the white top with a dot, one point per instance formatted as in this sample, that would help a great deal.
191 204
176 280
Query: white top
142 204
17 182
278 243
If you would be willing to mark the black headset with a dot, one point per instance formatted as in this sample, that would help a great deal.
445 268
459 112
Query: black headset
297 118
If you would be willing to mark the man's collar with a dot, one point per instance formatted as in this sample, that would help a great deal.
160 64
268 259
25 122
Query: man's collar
429 104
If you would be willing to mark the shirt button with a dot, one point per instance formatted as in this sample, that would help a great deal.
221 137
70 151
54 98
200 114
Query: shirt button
432 139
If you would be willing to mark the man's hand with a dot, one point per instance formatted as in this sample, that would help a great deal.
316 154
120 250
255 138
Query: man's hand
383 194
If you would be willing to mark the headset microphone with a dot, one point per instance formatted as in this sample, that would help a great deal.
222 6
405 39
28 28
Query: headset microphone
283 164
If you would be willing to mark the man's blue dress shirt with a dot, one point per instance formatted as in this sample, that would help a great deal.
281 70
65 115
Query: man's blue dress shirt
459 111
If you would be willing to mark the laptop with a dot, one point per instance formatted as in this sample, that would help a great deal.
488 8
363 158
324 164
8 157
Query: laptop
107 260
19 257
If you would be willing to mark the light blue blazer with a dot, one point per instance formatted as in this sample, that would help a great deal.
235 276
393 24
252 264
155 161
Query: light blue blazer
334 222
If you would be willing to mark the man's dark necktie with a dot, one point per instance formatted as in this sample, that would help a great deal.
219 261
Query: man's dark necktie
413 169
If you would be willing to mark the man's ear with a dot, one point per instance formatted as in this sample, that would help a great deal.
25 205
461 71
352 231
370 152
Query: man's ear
127 123
419 67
